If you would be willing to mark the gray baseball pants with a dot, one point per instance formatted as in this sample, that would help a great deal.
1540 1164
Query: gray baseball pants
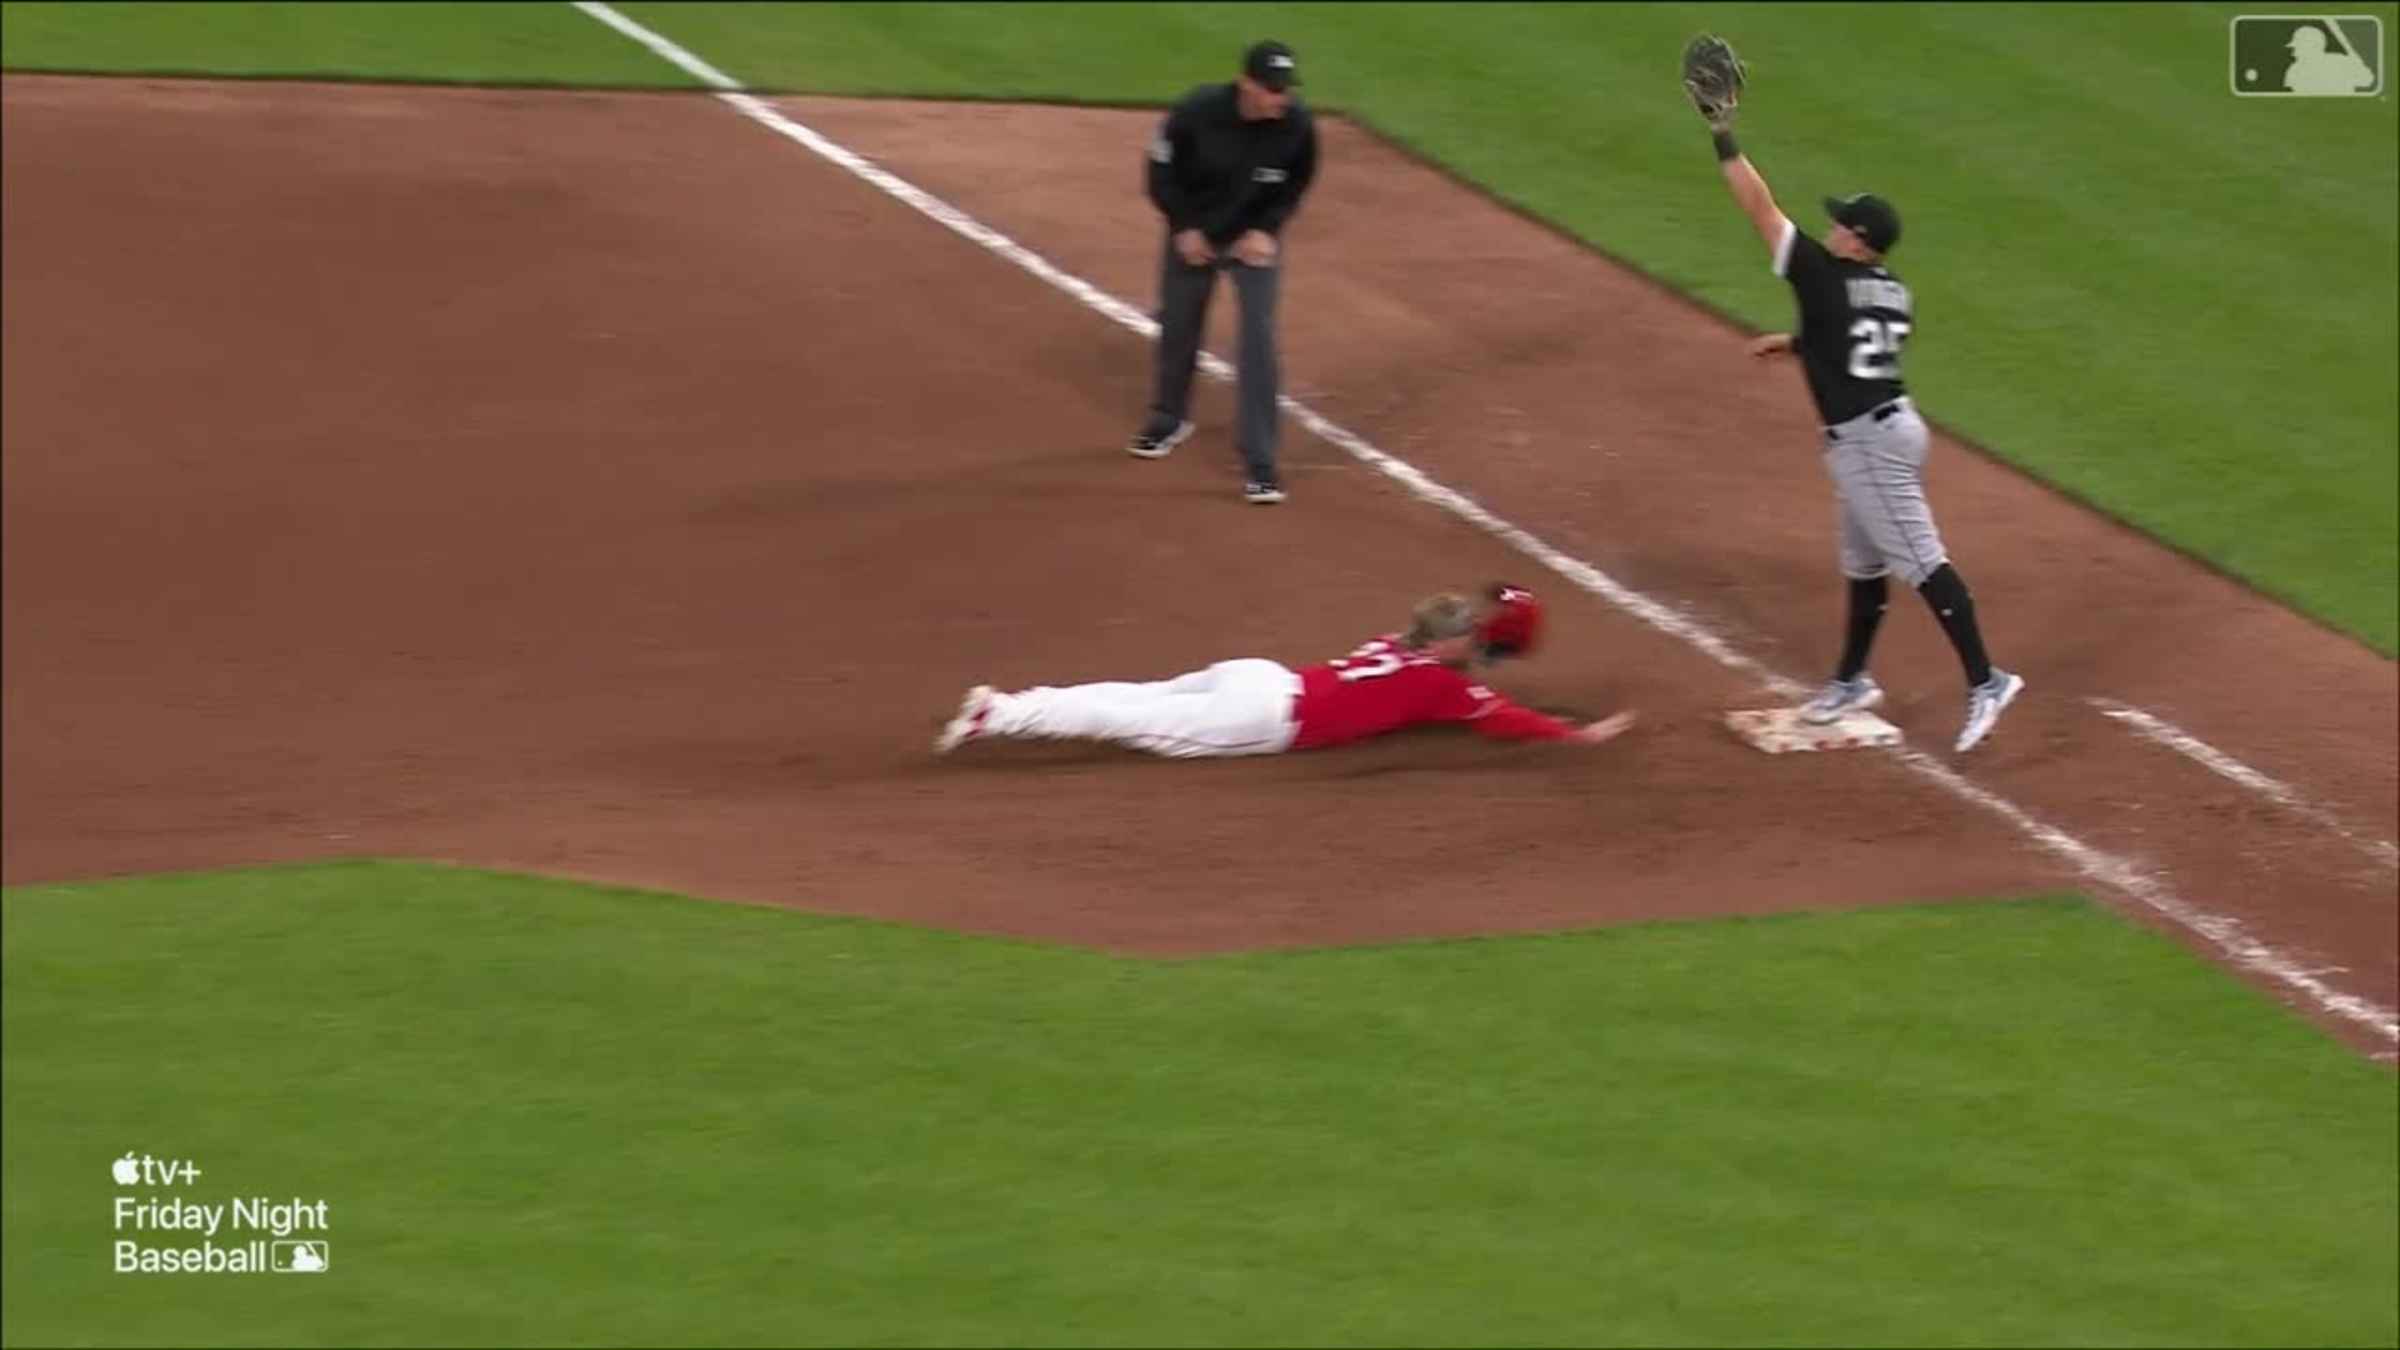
1183 295
1878 471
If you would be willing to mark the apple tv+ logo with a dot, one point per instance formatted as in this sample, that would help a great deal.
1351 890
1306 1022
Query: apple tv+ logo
144 1170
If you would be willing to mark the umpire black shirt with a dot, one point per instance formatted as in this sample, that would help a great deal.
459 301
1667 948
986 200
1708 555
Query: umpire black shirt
1213 172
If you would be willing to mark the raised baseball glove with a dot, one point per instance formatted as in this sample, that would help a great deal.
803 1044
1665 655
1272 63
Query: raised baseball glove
1713 76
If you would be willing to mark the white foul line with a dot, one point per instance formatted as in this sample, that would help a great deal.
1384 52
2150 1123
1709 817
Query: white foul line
2175 738
2225 934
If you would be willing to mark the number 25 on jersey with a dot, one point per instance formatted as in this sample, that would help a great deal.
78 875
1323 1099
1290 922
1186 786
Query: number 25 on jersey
1876 353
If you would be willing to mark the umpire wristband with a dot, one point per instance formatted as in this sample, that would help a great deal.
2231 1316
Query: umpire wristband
1726 149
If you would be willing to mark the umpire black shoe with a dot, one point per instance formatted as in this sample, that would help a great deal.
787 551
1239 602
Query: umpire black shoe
1158 438
1262 492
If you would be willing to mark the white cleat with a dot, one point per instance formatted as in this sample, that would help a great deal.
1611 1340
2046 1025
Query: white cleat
1840 697
968 725
1158 438
1985 703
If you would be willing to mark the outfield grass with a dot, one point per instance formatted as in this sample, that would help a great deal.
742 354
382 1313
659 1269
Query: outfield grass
553 1115
495 43
2179 305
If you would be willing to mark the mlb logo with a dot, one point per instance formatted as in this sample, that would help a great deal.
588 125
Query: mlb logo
301 1258
2307 55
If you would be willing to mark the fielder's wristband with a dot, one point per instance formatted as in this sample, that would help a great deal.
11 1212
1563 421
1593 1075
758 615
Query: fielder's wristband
1726 149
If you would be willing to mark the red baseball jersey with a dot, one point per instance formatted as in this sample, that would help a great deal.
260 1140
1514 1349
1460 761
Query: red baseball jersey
1386 685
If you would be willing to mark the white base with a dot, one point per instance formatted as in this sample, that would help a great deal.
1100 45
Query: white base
1776 730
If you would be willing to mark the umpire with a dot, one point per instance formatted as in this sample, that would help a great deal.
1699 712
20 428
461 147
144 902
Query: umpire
1227 170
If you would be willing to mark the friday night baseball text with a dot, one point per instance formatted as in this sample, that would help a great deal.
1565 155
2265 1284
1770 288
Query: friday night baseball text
256 1213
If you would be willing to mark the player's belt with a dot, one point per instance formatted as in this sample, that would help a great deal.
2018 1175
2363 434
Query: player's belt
1881 412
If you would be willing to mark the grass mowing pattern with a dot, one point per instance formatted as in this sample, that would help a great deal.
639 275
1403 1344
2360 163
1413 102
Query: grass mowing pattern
2179 305
551 1114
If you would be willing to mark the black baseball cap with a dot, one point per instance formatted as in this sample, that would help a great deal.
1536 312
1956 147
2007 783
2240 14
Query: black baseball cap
1869 217
1272 64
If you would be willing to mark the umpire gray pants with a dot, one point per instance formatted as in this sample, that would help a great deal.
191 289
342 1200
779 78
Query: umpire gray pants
1183 295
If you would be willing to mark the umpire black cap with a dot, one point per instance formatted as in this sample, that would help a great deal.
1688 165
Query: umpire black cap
1272 64
1869 217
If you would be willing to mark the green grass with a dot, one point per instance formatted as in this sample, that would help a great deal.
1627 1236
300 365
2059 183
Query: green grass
550 1114
2178 305
496 43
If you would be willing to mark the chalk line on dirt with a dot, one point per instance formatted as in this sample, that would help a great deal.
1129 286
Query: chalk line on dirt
2227 935
2159 730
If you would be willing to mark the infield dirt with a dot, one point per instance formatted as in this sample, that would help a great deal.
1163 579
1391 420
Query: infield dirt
595 484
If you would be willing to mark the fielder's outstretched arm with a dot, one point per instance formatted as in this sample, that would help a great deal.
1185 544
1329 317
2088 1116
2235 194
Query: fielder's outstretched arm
1751 194
1713 77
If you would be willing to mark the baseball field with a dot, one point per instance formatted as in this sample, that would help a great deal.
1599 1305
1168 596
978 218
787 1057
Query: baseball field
492 515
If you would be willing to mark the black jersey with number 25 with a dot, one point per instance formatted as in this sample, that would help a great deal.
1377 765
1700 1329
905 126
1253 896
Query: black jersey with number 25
1854 319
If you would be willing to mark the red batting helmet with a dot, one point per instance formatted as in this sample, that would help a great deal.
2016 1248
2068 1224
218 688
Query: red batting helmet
1512 625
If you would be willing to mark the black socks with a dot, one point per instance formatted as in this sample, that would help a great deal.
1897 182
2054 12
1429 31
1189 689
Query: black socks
1867 599
1955 610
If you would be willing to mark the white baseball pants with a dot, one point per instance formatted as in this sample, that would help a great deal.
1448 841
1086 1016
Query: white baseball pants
1232 708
